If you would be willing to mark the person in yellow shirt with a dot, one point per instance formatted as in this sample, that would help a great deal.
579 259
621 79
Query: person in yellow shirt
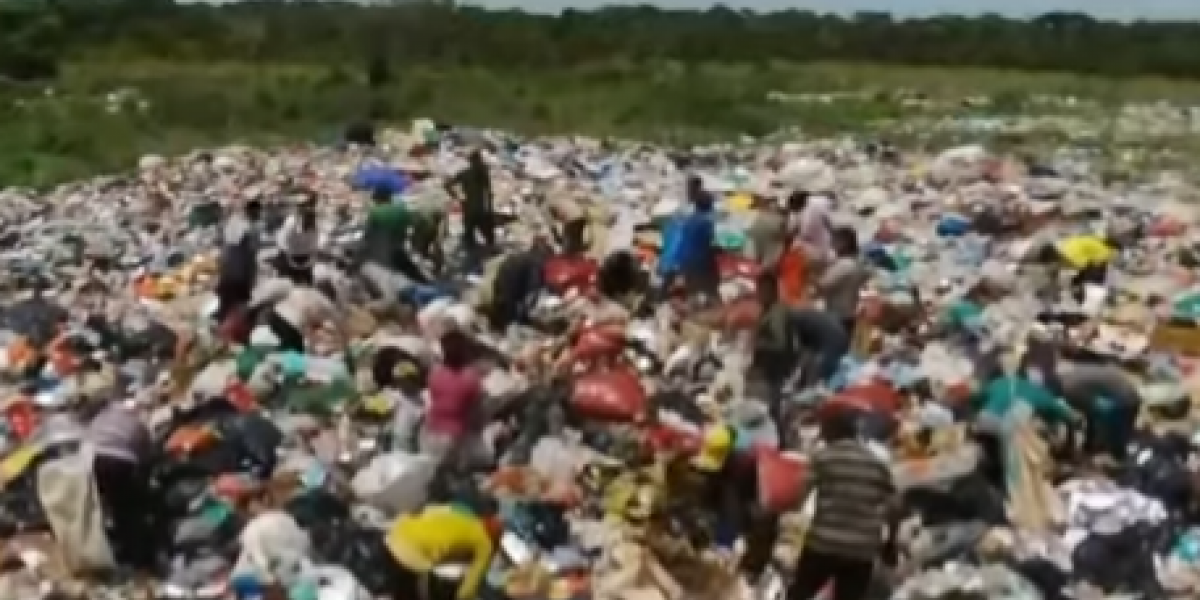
1087 256
444 534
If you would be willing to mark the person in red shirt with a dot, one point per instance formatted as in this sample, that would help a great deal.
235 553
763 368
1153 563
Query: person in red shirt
455 394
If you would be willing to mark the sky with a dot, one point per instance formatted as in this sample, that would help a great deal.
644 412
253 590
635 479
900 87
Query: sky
1107 9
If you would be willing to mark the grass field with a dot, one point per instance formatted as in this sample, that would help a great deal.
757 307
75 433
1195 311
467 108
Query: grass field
75 131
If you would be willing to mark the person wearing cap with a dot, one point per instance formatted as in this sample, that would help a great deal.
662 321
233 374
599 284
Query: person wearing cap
855 492
1087 258
473 187
238 265
443 534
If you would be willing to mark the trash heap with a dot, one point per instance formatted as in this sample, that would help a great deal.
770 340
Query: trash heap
149 452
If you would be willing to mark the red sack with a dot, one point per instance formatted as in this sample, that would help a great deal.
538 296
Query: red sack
614 395
661 438
22 417
878 395
742 314
735 266
564 273
600 341
780 479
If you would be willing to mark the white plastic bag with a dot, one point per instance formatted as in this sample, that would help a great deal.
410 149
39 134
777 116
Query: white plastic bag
395 482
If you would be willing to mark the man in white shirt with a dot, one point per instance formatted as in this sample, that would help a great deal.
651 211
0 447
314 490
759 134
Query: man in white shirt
299 240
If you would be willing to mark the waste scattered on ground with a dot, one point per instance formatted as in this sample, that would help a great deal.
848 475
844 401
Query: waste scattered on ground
457 363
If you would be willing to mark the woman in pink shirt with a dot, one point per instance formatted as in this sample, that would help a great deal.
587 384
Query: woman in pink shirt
455 390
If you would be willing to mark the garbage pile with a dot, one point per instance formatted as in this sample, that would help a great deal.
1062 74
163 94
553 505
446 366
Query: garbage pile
454 363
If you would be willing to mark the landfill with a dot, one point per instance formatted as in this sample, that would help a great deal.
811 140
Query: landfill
441 362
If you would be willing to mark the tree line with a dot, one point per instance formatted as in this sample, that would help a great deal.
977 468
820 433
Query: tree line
42 34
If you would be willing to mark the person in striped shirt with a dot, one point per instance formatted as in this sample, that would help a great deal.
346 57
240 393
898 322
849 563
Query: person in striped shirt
855 491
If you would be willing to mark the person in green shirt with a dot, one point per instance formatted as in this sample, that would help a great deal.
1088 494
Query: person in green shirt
384 252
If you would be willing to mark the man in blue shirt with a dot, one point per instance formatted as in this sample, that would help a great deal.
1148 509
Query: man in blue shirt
689 247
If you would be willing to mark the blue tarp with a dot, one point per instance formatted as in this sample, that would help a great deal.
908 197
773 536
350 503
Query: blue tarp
380 179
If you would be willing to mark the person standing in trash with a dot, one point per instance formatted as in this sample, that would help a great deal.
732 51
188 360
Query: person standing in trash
238 266
690 251
516 285
841 284
776 346
767 233
442 534
855 494
473 188
384 263
455 399
1086 257
299 241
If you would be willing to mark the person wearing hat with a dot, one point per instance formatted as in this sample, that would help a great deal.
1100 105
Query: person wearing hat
444 534
855 492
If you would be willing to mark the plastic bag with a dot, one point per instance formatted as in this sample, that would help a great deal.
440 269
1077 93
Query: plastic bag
742 314
780 479
615 395
563 273
599 342
395 482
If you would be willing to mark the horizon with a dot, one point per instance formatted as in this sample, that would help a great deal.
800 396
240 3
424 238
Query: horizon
1150 10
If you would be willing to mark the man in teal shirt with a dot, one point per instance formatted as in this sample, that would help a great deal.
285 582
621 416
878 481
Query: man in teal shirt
998 398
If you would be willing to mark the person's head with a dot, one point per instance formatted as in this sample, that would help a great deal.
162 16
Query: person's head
456 349
695 185
845 241
838 425
475 159
381 196
1048 255
253 210
797 201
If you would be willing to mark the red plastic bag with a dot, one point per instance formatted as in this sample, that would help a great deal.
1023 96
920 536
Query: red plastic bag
241 397
878 395
600 341
780 479
22 417
734 266
742 314
564 273
614 395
